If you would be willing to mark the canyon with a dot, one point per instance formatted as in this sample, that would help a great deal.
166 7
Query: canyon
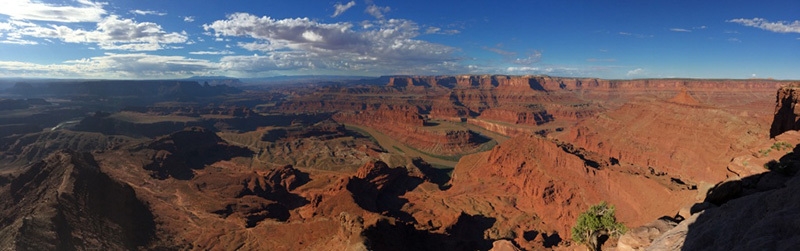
466 162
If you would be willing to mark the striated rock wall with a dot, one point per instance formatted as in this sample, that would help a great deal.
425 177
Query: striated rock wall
691 143
500 128
517 116
408 127
548 83
787 114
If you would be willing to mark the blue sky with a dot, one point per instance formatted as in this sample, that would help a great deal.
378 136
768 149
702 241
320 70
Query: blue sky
146 39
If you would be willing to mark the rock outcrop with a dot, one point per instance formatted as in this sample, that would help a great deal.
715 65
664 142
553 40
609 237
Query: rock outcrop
177 154
757 220
684 98
376 187
65 202
642 237
787 114
251 196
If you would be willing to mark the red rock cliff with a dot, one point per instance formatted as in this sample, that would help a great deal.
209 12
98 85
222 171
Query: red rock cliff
787 114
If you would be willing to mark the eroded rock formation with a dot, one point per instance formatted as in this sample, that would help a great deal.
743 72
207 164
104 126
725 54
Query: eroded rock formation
787 114
66 202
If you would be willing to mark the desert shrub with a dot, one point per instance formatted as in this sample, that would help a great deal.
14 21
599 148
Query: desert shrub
780 146
597 221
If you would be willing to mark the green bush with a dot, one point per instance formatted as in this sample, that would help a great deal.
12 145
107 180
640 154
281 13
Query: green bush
780 146
597 221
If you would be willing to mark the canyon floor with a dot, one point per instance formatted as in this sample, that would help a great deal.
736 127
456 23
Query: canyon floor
467 162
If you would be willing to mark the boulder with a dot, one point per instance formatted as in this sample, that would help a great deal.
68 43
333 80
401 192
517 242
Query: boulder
504 245
641 237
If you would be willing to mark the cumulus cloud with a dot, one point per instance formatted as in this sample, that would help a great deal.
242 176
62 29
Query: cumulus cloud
111 33
680 30
779 26
85 11
266 63
341 8
148 12
110 65
188 19
385 46
377 11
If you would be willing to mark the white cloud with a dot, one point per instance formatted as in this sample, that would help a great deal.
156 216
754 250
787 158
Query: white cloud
225 52
148 12
734 40
266 63
636 72
341 8
377 11
513 69
387 46
779 26
112 33
18 41
86 11
437 30
432 30
532 57
500 51
188 19
311 36
137 65
635 35
679 30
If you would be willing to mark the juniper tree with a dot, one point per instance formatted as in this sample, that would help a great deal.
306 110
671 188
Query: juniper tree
597 221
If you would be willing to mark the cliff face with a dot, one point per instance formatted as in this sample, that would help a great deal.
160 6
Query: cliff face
548 83
691 143
518 116
409 128
787 114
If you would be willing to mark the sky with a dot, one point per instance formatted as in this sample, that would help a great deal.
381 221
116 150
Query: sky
623 39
